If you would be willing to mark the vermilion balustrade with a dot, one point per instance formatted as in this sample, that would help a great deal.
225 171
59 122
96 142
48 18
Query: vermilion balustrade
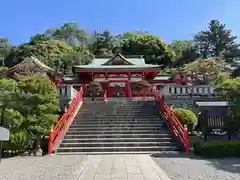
176 128
56 134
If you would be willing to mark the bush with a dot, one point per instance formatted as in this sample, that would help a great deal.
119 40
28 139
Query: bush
218 148
19 141
186 117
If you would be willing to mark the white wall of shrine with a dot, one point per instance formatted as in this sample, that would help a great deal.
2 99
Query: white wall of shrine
68 92
205 90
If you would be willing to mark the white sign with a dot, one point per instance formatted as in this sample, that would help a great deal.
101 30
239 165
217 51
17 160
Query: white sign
4 134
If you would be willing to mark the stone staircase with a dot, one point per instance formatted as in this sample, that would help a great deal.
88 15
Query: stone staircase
117 127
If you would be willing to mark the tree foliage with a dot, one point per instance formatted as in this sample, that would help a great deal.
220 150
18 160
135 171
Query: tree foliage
187 117
70 33
29 108
154 50
103 44
185 51
46 51
216 41
205 71
230 90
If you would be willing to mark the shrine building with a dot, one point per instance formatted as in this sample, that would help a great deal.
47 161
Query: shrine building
118 73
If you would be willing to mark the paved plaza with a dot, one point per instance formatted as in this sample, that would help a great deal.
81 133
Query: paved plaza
119 167
80 167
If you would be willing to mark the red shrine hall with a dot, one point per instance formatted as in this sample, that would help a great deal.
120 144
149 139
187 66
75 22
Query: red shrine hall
118 73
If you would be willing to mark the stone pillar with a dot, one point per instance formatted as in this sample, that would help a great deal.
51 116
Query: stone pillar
165 90
200 90
178 90
67 93
206 90
211 90
184 90
195 90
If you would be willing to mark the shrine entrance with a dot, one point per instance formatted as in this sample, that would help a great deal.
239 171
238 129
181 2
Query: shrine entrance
118 88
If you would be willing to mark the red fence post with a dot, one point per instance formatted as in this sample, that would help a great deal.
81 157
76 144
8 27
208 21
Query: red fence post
50 142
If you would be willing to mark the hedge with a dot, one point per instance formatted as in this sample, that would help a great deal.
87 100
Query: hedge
186 117
218 148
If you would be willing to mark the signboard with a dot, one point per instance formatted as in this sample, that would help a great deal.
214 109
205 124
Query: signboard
4 134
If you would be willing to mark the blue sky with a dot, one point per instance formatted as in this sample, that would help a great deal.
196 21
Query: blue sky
169 19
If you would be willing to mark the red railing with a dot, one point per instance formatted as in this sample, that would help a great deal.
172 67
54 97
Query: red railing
56 134
176 128
105 96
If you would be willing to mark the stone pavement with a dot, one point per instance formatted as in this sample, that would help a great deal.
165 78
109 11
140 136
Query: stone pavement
122 167
81 167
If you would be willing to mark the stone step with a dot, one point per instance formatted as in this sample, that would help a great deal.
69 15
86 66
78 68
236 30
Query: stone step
117 121
98 110
121 115
163 153
125 108
114 144
116 139
117 149
115 132
129 118
150 135
149 119
105 124
111 128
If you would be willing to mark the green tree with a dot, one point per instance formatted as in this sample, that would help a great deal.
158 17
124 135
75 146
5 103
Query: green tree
206 71
229 90
29 107
70 33
5 48
39 37
39 104
11 118
154 50
45 51
8 98
185 52
216 41
186 117
80 55
103 44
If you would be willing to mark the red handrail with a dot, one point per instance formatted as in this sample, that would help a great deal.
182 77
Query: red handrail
105 96
56 134
176 127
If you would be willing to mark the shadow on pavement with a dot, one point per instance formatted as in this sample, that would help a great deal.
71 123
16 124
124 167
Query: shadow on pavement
226 164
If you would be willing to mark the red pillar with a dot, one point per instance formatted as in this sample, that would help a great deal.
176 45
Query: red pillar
129 90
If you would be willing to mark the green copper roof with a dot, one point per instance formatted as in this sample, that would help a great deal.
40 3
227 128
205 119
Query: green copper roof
118 66
134 62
